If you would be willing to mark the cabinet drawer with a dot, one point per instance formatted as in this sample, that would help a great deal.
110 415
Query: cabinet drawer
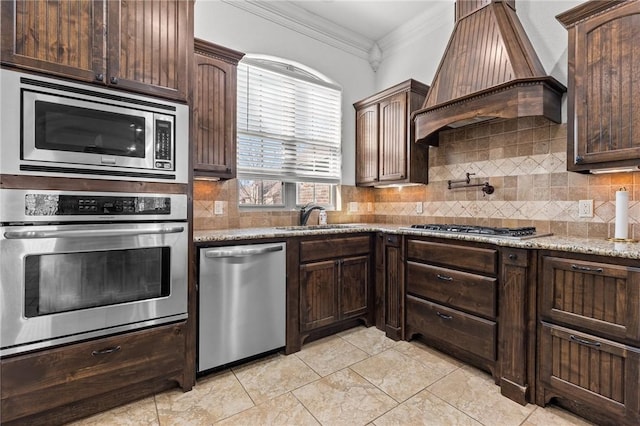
472 293
330 248
600 373
484 261
71 373
600 298
465 331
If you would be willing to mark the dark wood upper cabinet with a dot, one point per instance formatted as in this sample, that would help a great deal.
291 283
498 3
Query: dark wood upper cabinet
385 151
214 110
142 46
604 85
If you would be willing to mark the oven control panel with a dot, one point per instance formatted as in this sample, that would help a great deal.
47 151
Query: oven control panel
73 205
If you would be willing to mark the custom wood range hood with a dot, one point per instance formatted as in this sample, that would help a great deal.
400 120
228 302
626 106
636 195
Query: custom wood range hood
489 70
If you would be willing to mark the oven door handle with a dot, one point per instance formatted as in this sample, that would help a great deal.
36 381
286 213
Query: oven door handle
90 233
244 252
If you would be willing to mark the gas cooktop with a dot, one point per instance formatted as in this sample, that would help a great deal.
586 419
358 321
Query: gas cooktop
485 231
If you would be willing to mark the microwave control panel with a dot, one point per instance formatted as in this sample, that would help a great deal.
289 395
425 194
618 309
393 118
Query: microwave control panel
72 205
164 145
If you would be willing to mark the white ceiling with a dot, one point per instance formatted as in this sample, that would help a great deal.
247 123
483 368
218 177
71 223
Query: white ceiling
370 19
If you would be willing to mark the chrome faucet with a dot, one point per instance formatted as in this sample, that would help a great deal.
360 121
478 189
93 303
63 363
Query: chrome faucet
306 211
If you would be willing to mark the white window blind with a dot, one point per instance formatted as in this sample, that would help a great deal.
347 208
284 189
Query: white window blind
288 126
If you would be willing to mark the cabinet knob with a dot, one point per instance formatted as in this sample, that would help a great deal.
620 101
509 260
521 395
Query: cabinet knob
100 77
114 80
579 159
513 256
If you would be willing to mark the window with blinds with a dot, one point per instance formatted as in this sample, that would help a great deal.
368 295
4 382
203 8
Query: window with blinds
289 124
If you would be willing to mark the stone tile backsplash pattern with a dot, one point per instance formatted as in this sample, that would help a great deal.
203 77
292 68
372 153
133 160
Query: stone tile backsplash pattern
524 159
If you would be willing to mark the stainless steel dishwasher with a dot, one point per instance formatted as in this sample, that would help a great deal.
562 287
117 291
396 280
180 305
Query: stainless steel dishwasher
241 302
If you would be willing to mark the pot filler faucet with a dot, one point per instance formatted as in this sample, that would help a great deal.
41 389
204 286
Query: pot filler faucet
306 211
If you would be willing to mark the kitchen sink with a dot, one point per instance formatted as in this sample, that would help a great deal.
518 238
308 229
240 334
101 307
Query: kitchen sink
313 227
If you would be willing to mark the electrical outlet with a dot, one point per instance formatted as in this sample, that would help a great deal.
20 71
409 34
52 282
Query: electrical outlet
218 207
353 206
369 207
585 208
419 207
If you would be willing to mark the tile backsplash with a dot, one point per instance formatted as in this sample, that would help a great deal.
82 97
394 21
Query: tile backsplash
524 159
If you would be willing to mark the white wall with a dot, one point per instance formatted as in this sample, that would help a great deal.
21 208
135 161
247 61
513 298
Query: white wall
237 29
412 53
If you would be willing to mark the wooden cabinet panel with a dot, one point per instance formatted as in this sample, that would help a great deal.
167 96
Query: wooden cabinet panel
318 294
334 247
468 332
367 145
64 37
598 297
150 46
603 96
393 137
143 46
595 372
385 150
472 293
214 110
393 287
354 286
484 261
48 379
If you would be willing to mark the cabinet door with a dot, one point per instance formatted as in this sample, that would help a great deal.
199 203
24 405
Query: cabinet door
354 286
367 145
597 297
318 294
214 117
150 46
607 87
64 37
393 138
598 373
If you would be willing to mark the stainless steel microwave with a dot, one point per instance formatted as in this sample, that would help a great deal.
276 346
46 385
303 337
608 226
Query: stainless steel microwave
52 127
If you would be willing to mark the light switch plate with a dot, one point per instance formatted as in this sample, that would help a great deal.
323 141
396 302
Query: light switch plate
585 208
218 207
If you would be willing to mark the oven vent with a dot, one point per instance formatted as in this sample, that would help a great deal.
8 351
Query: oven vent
489 70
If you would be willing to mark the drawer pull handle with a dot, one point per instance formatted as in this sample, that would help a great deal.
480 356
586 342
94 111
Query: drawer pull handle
443 316
586 268
444 277
106 351
583 341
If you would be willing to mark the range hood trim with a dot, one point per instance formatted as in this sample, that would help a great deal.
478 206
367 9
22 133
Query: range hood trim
544 97
525 89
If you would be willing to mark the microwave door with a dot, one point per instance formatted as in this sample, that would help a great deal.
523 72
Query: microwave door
58 129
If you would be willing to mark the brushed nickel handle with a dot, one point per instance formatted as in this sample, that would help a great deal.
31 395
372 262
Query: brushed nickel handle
243 252
100 77
586 268
583 341
114 80
513 256
91 233
106 351
444 277
443 316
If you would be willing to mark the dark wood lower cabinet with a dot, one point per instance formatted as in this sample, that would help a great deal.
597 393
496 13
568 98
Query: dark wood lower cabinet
334 286
589 346
62 384
598 378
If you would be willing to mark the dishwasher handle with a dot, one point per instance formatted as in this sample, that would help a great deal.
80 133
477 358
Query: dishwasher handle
240 252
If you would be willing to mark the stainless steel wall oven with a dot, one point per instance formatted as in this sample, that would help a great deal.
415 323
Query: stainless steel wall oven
77 265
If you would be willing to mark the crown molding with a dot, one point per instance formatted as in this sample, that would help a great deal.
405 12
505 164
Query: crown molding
297 19
417 27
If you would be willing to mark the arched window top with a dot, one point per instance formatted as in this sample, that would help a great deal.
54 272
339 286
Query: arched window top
291 68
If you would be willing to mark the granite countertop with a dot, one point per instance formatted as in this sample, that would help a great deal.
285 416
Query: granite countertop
568 244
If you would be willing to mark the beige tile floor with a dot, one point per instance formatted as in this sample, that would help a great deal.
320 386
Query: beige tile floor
357 377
